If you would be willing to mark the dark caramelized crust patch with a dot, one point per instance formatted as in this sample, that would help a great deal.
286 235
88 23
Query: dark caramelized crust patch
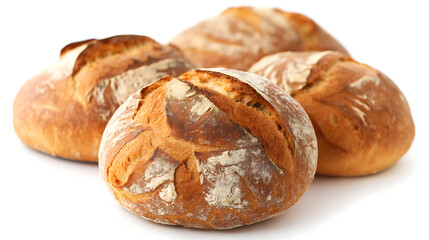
109 46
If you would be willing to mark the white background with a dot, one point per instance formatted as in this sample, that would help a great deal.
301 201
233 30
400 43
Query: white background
42 197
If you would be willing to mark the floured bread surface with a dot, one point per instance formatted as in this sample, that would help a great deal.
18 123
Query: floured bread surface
214 148
362 120
63 110
240 36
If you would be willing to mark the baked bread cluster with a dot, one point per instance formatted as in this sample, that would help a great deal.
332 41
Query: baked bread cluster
223 127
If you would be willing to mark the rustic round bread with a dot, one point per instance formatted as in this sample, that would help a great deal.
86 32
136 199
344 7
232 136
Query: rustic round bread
64 109
362 120
240 36
213 148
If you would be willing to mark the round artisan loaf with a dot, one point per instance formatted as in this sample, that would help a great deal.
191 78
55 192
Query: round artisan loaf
64 109
214 148
240 36
362 120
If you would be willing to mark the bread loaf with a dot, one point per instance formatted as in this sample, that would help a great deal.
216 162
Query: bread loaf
240 36
214 148
362 120
64 109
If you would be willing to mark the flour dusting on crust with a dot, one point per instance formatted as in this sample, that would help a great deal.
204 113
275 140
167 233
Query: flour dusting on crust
226 191
296 73
60 70
168 193
127 83
360 114
63 68
301 127
202 106
160 171
365 100
360 83
235 37
222 173
179 90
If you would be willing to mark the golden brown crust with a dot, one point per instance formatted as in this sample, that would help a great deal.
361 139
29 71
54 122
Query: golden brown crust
74 45
63 110
214 148
240 36
311 35
362 120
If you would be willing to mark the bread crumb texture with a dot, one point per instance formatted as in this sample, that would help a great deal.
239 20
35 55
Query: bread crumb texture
208 150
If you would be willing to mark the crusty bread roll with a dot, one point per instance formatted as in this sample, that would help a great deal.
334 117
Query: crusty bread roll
240 36
214 148
63 110
362 120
